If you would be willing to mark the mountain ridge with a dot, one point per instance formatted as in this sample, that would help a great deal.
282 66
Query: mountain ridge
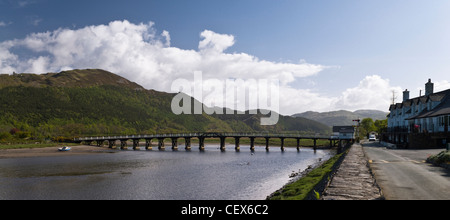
97 102
342 117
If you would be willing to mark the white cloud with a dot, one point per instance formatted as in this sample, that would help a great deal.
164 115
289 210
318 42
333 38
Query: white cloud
373 92
441 85
138 53
4 24
213 42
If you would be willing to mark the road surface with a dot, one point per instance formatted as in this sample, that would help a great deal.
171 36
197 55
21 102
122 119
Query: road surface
404 174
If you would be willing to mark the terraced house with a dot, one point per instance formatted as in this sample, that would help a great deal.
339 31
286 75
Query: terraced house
421 122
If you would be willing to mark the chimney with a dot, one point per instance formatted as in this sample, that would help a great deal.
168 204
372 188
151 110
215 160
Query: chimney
429 88
405 95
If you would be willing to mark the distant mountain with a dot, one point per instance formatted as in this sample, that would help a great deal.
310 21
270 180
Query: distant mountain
342 117
97 102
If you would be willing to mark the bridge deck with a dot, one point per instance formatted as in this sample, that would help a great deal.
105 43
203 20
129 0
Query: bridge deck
206 135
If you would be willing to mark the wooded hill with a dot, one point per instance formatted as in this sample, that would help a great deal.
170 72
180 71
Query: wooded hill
96 102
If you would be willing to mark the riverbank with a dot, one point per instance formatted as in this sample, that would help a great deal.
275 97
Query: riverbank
51 151
310 183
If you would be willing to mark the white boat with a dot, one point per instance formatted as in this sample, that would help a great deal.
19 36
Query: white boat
65 149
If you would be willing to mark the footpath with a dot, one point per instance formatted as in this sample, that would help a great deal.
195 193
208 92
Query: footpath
353 179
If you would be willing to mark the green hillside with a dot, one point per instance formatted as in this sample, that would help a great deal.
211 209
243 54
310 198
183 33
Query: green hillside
96 102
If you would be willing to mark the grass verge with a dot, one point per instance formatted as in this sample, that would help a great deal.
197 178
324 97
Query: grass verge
302 188
441 158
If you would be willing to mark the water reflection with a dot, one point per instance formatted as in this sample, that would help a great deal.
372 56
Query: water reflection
155 175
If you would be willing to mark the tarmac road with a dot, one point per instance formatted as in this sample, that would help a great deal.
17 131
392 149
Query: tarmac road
404 174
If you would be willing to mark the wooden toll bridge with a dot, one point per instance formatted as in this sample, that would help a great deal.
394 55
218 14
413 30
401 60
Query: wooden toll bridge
201 138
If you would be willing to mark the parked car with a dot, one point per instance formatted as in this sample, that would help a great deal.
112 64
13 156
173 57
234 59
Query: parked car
372 138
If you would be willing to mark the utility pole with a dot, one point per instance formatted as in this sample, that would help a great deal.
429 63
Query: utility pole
358 124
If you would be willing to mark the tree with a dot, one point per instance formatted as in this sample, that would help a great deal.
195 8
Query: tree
381 126
367 126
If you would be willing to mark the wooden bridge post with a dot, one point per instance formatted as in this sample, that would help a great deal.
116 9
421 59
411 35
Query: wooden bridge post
100 143
111 143
187 141
201 143
236 140
222 143
252 143
148 144
161 144
298 144
174 143
315 144
267 143
282 143
136 144
123 144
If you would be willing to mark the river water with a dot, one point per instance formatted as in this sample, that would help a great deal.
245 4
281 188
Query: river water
156 175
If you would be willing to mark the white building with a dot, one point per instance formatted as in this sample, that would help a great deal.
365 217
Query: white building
423 118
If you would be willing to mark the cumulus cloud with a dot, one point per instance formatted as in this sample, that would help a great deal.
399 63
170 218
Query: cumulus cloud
441 85
141 54
137 52
373 92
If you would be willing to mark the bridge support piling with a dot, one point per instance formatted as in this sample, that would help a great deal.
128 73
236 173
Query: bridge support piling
267 143
222 144
340 147
136 144
148 144
298 144
175 144
187 142
237 140
112 143
252 144
123 145
282 144
201 143
161 145
315 145
100 143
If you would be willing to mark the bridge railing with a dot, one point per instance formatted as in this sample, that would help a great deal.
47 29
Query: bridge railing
205 134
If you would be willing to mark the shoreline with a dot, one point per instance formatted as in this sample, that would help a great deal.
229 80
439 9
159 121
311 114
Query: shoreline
52 152
80 150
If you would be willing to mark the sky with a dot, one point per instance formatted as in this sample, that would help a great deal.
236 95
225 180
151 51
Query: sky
327 54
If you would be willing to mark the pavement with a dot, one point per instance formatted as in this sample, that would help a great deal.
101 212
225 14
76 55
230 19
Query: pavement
353 179
403 174
371 172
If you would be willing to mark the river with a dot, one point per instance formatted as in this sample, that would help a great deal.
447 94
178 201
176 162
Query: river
156 175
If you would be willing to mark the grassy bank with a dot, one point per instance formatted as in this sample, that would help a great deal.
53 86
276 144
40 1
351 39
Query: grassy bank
442 158
300 189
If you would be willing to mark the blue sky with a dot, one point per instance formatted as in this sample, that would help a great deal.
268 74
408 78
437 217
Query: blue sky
394 44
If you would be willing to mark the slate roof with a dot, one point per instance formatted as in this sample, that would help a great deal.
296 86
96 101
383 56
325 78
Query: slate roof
442 109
